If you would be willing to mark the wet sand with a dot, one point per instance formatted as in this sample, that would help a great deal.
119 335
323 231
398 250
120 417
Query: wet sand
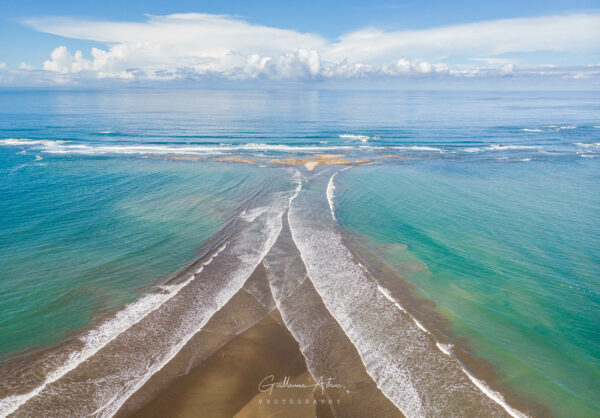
227 383
310 162
317 160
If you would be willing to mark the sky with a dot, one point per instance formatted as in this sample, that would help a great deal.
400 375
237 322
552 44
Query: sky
179 42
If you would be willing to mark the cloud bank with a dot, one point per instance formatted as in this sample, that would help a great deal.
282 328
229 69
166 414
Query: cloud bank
192 45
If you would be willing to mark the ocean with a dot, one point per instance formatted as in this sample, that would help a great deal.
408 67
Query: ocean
459 254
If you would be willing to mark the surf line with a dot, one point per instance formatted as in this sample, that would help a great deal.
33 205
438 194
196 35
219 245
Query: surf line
411 408
111 408
98 338
447 350
331 189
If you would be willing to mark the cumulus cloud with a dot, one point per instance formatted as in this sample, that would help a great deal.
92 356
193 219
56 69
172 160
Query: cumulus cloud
193 45
62 61
507 69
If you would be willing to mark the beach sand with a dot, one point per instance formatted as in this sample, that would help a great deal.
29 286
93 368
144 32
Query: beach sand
226 384
317 160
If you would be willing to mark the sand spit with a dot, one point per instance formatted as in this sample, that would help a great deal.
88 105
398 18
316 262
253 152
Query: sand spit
235 160
310 162
317 160
391 156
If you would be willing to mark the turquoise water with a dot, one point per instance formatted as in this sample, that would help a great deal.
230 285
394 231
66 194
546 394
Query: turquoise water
106 194
512 258
84 236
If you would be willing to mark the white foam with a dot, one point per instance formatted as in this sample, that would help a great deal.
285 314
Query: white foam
588 145
532 130
247 265
372 323
472 149
388 371
30 142
330 191
253 213
388 295
363 138
495 396
65 147
444 348
447 349
418 148
88 148
502 147
99 337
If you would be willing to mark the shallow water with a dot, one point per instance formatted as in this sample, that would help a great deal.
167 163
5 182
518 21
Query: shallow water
509 253
491 214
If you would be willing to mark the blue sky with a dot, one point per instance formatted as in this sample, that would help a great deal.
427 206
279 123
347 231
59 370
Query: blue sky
281 40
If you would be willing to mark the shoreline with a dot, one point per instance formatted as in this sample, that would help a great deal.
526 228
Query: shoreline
308 161
159 397
439 328
227 382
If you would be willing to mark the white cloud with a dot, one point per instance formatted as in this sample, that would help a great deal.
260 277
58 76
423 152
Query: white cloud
2 65
572 33
196 45
63 62
24 66
507 68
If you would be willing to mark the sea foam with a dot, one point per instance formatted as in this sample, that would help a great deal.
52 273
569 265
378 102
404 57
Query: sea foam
97 338
379 328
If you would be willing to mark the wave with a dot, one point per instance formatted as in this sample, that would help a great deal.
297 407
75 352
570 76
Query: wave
550 128
502 147
249 255
253 213
96 339
326 348
29 142
363 138
588 145
169 318
444 348
495 396
107 132
69 147
386 337
331 189
66 147
320 248
417 148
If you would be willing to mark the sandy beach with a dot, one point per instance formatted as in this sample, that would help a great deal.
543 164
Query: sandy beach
227 383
